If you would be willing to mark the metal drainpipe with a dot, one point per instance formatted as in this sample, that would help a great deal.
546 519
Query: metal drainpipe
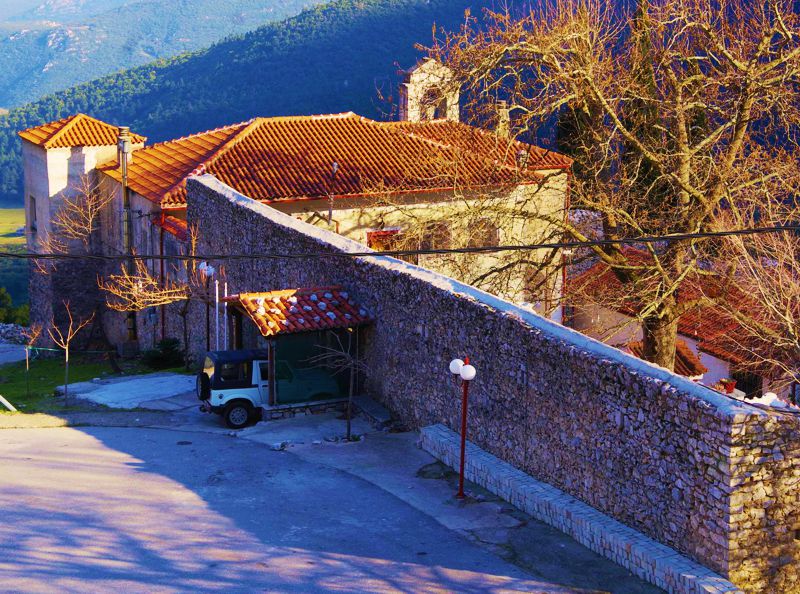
163 278
124 150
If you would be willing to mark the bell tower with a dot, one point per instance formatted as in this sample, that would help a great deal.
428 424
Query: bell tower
429 92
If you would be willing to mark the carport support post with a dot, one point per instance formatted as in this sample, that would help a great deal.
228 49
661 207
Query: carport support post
28 371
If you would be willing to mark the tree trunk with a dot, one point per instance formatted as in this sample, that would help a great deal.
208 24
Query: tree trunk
66 376
350 398
659 335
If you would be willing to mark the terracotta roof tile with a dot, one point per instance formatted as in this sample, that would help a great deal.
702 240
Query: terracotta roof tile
686 362
469 138
300 310
715 330
77 130
174 226
159 172
293 158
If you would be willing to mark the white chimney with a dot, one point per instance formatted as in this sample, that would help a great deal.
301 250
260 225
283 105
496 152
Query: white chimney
124 146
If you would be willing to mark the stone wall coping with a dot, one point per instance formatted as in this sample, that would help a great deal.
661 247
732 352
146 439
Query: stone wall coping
643 556
726 406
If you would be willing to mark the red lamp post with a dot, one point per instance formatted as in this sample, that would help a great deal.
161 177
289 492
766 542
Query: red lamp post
465 371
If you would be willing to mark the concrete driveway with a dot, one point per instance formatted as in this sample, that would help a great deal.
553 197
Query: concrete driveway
165 510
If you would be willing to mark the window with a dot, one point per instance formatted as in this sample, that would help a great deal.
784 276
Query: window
749 383
483 233
436 236
390 240
229 372
32 214
263 369
434 105
235 372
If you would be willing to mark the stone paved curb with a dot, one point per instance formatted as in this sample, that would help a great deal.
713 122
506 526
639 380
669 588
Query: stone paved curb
646 558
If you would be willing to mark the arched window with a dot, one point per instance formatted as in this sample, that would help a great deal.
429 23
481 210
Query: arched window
483 233
434 105
435 236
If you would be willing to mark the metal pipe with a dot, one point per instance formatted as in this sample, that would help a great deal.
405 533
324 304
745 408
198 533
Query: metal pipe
225 316
464 399
124 149
216 315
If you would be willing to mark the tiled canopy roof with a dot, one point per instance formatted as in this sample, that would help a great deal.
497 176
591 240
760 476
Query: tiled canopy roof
173 225
301 157
686 362
77 130
300 310
715 330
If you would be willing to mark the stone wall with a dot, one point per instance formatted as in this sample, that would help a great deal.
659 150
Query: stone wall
711 477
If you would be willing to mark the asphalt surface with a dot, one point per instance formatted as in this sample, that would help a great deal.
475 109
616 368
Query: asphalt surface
142 509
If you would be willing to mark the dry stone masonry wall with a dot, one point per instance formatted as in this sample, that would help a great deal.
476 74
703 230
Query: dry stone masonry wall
708 476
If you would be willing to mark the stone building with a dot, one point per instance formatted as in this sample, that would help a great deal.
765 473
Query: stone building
60 160
713 345
408 184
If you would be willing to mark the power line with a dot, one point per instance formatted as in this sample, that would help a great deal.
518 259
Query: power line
420 252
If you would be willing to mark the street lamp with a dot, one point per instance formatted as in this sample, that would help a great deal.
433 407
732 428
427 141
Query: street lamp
207 271
465 371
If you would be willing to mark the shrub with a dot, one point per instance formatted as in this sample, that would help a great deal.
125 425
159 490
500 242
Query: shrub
168 353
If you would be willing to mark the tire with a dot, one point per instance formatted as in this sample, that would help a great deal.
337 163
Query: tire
203 386
237 414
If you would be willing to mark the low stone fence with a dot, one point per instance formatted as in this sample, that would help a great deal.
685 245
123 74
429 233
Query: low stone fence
709 476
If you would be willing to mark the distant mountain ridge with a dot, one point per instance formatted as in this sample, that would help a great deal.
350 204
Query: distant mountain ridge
328 59
64 42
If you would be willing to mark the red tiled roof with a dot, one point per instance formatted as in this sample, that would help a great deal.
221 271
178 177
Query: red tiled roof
282 158
77 130
300 310
686 362
469 138
159 172
174 226
715 330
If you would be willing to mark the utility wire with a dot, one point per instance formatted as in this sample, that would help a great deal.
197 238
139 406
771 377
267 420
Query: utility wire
465 250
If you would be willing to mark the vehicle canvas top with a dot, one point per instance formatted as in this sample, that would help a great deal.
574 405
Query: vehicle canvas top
238 356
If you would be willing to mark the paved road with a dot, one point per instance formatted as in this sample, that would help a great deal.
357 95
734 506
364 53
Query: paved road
155 510
11 353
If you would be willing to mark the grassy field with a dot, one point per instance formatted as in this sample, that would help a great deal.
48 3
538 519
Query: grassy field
13 272
11 219
46 374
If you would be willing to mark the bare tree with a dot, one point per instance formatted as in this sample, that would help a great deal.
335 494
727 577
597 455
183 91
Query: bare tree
79 215
765 271
63 337
342 359
76 221
139 289
675 109
31 335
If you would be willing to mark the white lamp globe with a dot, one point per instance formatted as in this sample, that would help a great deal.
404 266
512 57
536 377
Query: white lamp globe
468 373
455 366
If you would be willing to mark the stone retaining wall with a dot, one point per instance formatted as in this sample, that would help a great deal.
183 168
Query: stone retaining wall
651 561
706 475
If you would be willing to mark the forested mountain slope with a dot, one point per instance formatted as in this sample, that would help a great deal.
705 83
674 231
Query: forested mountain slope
61 43
332 58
